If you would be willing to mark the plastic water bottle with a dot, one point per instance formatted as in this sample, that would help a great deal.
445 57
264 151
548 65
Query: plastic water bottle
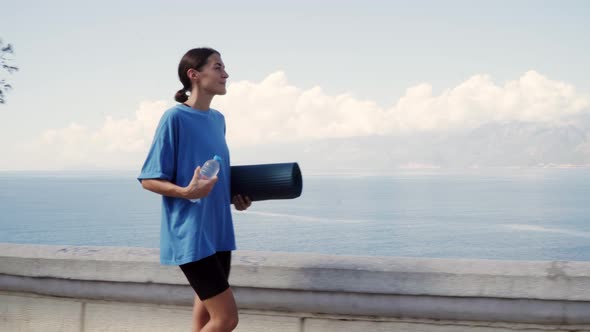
209 170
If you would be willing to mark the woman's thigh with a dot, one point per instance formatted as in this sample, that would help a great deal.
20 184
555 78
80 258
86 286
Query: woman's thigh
209 276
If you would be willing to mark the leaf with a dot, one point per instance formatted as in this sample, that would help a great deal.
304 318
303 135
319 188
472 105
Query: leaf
7 49
10 69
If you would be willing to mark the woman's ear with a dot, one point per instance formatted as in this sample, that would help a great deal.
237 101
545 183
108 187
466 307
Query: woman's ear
193 74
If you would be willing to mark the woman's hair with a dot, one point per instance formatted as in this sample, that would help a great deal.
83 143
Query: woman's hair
193 59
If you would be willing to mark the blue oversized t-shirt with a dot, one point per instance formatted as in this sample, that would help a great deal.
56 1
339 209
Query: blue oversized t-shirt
187 138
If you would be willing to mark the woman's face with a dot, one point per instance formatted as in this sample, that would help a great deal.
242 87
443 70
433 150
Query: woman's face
212 77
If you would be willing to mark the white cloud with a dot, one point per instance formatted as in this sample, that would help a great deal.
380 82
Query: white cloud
531 98
274 111
118 143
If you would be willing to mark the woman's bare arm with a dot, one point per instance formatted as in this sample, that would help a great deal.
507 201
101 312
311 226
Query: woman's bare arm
197 188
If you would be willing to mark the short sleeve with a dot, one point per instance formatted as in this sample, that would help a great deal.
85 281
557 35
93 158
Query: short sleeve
161 159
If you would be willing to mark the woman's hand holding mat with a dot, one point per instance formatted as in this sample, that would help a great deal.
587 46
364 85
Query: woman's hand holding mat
241 203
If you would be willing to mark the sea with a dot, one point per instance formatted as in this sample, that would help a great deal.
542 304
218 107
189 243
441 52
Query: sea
504 214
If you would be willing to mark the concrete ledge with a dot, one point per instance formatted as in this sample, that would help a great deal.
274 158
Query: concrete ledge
339 303
547 293
550 280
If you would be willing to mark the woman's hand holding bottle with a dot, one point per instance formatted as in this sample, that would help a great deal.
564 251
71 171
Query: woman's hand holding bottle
199 187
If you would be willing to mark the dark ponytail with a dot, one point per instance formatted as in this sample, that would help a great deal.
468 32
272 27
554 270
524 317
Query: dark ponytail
181 96
193 59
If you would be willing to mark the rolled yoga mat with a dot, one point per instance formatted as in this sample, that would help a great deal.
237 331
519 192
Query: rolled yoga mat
267 181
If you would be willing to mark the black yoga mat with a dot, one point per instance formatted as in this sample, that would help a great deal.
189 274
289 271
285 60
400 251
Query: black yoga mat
266 181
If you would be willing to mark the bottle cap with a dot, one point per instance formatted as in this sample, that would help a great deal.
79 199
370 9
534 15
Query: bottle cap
218 158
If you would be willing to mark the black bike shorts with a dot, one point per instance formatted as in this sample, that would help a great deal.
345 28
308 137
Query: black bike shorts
209 276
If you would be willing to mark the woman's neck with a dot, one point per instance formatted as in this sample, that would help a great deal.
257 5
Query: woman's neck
200 101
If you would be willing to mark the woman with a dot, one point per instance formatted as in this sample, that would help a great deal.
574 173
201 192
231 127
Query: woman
199 237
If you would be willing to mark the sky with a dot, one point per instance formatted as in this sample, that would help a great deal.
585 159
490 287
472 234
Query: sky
326 83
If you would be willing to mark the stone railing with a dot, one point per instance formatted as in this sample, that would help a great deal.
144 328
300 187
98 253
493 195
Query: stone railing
70 288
